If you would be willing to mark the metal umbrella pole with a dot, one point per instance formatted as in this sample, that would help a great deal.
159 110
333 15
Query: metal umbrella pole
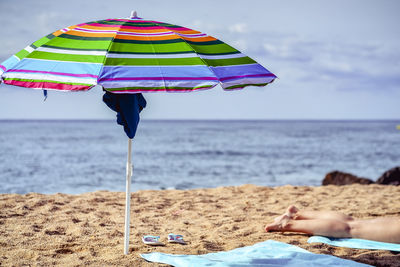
128 197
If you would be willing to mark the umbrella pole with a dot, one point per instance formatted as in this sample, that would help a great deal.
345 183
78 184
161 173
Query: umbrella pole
128 197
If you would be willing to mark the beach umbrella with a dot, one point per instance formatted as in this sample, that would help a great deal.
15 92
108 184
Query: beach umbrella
131 56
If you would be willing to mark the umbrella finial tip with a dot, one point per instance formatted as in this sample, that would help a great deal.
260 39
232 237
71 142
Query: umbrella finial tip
133 14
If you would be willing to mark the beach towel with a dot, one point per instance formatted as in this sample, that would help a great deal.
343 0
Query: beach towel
268 253
354 243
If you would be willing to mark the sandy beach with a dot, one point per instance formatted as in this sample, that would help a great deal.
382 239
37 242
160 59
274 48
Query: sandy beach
87 229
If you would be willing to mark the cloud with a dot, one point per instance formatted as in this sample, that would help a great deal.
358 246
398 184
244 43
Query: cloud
360 66
341 64
238 28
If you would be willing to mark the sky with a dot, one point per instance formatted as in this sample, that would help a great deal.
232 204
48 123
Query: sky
334 59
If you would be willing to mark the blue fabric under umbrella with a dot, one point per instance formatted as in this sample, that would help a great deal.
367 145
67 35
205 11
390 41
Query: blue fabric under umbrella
128 107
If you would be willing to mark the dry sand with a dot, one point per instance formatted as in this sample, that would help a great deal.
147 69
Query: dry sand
87 229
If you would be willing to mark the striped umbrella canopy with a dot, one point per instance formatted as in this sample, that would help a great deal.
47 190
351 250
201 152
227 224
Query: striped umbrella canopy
131 55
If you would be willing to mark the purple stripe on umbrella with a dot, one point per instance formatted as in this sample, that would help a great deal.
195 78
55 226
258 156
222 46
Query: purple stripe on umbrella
124 26
191 35
128 20
246 76
55 73
156 71
238 70
86 30
122 32
145 34
152 90
2 67
159 79
177 28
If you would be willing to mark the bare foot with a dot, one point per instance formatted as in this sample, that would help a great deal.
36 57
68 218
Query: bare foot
279 223
291 212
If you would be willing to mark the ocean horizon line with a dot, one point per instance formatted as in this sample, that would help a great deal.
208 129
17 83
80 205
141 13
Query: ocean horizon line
200 120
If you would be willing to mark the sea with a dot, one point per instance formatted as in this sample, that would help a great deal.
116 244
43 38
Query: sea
77 156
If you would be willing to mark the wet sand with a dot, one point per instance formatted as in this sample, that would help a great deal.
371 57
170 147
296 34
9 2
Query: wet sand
87 229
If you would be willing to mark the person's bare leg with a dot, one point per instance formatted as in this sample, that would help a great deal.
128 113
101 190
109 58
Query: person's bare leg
381 229
295 213
385 229
325 227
